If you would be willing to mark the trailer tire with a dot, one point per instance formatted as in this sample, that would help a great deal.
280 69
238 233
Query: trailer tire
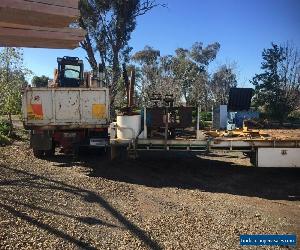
118 153
253 159
50 152
38 153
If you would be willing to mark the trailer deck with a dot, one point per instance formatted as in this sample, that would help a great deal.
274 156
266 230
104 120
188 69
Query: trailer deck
262 152
214 144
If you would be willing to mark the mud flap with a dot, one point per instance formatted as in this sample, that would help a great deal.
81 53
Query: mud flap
41 141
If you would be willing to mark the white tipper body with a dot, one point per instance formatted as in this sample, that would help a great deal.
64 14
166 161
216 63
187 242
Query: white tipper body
66 107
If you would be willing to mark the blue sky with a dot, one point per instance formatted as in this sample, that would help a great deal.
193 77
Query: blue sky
242 27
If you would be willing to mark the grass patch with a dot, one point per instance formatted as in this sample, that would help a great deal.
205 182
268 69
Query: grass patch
5 127
20 135
4 140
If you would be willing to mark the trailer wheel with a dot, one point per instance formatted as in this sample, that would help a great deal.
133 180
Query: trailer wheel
247 154
253 158
38 153
50 152
118 152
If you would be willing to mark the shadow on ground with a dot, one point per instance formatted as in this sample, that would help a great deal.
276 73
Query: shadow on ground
27 180
180 171
194 172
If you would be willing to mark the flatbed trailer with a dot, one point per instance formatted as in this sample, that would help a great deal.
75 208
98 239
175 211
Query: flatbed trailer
244 145
262 152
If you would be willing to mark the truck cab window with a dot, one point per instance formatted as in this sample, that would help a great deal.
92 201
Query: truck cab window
72 71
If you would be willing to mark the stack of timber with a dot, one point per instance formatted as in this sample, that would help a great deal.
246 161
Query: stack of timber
39 24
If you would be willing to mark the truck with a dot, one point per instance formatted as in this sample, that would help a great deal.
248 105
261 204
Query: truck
72 112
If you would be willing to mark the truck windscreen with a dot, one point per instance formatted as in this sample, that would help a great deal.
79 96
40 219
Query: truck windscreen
72 71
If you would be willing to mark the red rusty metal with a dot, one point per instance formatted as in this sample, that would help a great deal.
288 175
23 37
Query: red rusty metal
67 142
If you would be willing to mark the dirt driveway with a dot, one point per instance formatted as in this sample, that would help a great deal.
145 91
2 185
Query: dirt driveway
156 202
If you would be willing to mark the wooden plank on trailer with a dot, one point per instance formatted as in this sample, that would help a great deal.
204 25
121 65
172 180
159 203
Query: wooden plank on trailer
32 41
38 43
70 31
62 3
36 13
40 19
13 42
40 34
39 8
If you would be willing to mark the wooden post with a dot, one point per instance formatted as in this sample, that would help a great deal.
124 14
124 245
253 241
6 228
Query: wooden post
131 88
126 81
198 121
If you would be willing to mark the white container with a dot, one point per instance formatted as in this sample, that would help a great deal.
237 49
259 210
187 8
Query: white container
220 117
128 126
278 157
112 130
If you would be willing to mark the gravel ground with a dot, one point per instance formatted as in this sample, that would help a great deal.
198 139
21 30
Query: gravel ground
161 202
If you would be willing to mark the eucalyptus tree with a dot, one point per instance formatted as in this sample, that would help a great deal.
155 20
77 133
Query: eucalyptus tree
109 25
191 70
183 75
149 60
221 81
278 86
12 77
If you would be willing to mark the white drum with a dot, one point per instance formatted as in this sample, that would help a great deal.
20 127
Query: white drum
128 126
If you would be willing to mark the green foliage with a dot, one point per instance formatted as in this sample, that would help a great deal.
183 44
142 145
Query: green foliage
12 78
276 93
190 70
206 116
184 75
204 55
267 84
294 115
120 98
5 127
40 81
147 56
4 140
109 24
222 80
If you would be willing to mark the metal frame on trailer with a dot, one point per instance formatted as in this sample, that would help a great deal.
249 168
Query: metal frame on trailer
277 148
249 146
202 144
214 144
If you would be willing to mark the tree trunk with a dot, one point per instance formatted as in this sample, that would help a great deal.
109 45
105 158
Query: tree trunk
87 46
11 127
115 76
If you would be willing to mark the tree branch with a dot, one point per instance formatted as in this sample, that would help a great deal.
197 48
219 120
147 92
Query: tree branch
87 46
147 6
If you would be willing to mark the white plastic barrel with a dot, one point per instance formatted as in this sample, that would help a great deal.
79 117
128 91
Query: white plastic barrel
128 126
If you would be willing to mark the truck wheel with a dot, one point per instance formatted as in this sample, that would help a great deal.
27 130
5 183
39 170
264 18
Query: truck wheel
50 152
118 153
253 159
38 153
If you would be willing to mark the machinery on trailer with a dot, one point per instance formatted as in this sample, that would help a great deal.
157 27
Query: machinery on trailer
168 128
73 111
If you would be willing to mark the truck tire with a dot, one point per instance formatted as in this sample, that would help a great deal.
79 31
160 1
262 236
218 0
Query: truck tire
118 153
50 152
253 159
38 153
